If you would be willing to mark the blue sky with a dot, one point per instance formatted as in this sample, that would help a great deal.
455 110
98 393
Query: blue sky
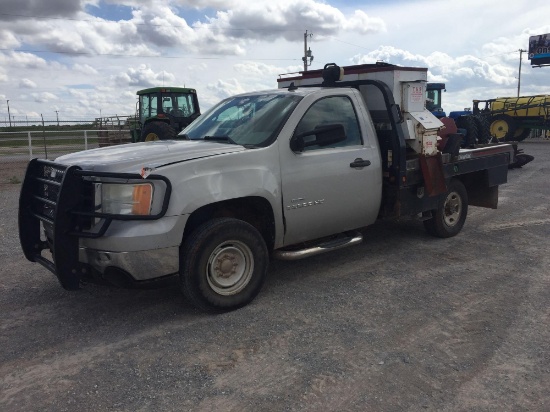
86 57
113 12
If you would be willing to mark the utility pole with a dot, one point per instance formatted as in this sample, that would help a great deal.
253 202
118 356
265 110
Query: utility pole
44 136
57 115
9 115
521 51
307 52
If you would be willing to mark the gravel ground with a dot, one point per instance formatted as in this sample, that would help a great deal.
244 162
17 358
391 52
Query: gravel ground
403 321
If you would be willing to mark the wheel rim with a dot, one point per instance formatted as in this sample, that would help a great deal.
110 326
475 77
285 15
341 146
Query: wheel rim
499 129
151 137
452 209
230 267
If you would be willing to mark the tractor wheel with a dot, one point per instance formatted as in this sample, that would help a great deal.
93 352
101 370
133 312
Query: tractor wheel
503 127
521 133
483 124
157 131
472 134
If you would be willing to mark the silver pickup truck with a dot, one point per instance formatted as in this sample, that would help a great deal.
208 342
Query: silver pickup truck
285 173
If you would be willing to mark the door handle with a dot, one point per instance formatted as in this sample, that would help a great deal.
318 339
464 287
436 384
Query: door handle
359 163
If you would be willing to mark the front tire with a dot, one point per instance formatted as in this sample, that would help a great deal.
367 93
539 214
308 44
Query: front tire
223 265
450 215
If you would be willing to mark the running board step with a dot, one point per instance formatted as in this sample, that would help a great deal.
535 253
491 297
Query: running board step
342 241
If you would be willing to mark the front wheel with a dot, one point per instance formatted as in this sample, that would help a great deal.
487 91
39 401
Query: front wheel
450 215
223 265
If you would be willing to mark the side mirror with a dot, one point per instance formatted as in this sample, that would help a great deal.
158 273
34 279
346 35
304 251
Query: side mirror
323 136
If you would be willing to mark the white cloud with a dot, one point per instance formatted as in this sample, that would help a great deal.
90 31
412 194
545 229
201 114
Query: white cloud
225 88
27 84
22 60
143 76
85 69
44 97
362 23
8 40
257 69
443 66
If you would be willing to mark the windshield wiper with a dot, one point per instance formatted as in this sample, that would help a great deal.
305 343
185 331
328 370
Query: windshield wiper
221 139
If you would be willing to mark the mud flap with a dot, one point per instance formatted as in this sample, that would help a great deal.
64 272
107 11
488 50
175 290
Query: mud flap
483 196
434 176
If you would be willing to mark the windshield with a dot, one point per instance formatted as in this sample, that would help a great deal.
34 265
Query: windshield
251 120
433 99
178 104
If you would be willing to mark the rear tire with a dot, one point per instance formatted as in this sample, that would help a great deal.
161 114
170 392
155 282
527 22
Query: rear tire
483 125
157 131
472 133
450 215
503 127
521 134
223 265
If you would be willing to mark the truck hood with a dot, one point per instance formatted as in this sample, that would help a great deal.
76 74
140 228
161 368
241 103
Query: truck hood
134 157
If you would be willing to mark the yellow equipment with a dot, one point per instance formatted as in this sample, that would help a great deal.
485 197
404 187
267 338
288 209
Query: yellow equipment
512 118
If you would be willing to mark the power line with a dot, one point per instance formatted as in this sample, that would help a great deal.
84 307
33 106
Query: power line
351 44
139 55
365 48
146 24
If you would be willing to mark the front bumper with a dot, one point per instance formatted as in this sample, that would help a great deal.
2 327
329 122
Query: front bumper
56 211
139 266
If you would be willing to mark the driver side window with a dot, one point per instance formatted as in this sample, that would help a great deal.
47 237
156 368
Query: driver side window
330 111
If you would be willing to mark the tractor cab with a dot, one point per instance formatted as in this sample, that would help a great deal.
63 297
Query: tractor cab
433 99
164 111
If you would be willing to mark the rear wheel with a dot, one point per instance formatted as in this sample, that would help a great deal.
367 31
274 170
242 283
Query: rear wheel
450 215
223 265
157 131
522 133
483 124
472 134
503 127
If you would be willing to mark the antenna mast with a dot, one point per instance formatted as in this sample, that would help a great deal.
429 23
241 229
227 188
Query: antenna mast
307 52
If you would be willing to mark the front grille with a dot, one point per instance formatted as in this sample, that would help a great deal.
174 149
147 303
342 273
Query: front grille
50 195
48 185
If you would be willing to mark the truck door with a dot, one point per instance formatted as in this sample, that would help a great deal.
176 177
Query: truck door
331 189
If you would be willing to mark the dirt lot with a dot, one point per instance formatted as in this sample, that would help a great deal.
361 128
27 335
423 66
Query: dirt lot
401 322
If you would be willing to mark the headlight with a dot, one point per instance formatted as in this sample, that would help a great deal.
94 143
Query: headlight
126 198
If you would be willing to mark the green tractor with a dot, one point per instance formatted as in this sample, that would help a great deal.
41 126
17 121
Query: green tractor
162 112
